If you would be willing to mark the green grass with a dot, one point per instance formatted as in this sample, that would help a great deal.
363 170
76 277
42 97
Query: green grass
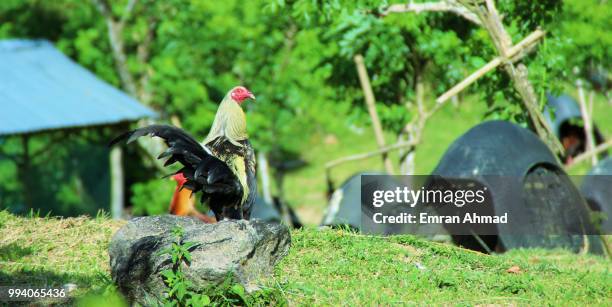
339 267
53 252
326 267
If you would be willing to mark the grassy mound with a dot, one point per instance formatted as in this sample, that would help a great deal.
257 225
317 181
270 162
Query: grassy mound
336 267
50 251
326 267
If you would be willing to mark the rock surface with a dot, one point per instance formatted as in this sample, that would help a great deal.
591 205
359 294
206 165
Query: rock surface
247 249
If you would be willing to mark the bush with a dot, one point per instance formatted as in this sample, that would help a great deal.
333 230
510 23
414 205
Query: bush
152 197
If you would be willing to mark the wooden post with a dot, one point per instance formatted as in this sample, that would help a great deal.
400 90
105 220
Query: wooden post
588 154
279 178
117 182
262 163
586 119
371 105
414 131
407 156
24 172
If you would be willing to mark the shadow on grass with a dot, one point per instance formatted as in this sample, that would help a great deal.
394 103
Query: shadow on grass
12 252
14 271
11 275
40 278
44 278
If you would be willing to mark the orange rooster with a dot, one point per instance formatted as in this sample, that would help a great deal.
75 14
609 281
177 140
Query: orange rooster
183 204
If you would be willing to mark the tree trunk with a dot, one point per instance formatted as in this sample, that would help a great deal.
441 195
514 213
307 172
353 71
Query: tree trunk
151 146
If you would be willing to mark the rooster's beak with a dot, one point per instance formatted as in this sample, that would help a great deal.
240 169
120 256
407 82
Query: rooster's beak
252 96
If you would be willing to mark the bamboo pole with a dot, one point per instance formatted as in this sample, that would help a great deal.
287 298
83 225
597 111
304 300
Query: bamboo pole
586 155
492 22
365 155
371 105
586 119
441 6
416 127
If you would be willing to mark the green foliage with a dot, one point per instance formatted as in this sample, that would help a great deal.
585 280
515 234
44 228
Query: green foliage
442 48
546 68
399 53
401 50
297 57
107 295
179 293
8 196
67 179
582 27
152 197
197 51
230 293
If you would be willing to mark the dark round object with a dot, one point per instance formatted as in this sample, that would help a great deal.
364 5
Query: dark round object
563 108
272 212
567 124
597 190
265 211
524 180
344 207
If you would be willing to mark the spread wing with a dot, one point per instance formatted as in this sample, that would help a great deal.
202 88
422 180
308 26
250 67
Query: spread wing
204 172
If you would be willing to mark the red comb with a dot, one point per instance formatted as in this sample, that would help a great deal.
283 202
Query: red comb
180 178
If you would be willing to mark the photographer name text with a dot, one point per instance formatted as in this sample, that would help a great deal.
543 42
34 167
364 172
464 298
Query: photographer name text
425 218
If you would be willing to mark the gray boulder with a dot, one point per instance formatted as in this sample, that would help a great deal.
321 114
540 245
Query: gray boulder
248 250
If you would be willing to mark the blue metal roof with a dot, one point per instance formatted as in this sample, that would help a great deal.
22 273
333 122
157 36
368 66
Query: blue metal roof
42 89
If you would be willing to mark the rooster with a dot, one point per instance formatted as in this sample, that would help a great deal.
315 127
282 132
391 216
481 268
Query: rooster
222 167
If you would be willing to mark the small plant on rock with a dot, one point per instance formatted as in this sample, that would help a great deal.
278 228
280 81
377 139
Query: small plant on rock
179 293
229 293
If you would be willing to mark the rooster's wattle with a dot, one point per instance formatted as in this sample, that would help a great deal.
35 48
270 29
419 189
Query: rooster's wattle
222 167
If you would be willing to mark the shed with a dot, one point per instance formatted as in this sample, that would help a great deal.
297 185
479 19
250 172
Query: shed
42 90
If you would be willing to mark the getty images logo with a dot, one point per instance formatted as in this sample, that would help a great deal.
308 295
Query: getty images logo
412 197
